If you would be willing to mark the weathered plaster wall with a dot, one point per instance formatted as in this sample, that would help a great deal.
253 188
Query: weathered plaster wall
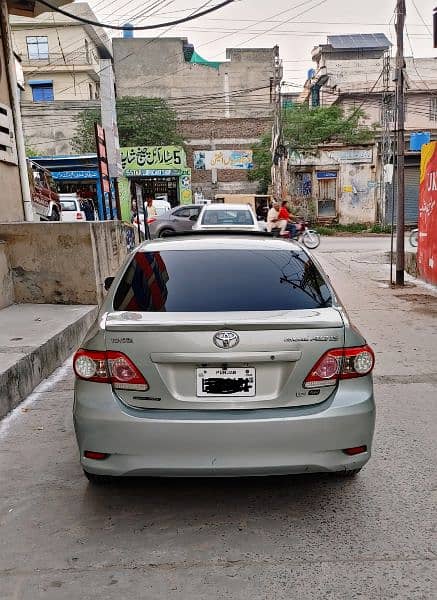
63 263
357 180
356 196
11 204
6 284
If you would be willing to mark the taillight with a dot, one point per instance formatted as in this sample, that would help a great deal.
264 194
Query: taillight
79 216
109 367
91 365
340 363
151 220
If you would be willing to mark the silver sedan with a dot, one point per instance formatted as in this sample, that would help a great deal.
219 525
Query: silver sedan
219 355
181 218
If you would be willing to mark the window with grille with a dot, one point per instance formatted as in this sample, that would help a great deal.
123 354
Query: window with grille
433 108
38 47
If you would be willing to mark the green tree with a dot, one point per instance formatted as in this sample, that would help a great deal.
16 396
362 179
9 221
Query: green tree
31 152
304 129
262 164
141 121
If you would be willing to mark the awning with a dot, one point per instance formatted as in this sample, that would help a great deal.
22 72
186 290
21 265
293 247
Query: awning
40 81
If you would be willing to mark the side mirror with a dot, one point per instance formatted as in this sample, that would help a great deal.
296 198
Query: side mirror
108 282
194 217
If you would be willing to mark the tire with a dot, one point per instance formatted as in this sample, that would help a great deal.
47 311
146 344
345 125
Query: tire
55 216
311 239
99 479
165 232
414 238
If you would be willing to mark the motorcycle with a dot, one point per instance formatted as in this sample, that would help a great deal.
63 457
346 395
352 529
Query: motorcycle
308 237
414 238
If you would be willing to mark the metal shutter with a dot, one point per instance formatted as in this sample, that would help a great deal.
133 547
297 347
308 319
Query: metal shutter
412 179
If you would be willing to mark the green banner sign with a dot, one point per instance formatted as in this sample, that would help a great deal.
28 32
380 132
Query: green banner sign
152 157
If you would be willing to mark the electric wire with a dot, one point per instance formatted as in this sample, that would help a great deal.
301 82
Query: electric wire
186 19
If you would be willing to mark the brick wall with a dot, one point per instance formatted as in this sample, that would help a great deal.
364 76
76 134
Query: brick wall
228 134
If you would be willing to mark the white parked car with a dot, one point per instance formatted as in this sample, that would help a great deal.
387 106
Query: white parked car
71 209
227 216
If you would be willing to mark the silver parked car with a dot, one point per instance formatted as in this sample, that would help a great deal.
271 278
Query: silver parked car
181 218
222 354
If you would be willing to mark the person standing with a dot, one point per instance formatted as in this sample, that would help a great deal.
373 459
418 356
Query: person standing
151 210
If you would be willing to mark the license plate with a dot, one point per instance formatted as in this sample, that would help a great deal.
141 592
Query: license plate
225 382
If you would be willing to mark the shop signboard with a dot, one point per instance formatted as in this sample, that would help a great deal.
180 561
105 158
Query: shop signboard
326 174
139 158
185 193
427 240
205 160
353 155
72 175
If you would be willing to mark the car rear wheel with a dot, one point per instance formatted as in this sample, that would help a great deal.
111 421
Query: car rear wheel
165 232
98 479
55 216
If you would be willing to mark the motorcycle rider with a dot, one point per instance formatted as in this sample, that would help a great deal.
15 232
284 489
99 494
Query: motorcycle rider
285 220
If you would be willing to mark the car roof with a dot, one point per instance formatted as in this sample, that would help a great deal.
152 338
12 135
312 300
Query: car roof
218 241
220 206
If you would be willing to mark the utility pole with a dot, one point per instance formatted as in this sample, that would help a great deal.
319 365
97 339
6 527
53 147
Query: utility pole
400 141
276 147
109 123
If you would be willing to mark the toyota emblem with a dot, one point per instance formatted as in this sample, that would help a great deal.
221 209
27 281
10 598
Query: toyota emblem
226 339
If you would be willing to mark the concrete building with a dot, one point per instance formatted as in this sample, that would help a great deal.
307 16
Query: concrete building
356 72
60 60
220 105
13 171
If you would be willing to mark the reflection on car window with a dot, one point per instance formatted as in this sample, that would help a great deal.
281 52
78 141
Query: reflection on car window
227 217
183 212
203 281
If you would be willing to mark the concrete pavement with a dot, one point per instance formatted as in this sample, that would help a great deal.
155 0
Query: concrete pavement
276 538
34 340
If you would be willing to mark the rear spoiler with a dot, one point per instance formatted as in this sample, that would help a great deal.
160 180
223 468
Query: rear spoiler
206 232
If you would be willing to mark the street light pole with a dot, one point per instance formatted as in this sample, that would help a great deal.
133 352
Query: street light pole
400 139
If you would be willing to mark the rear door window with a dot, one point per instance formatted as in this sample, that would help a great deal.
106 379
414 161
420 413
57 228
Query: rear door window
69 205
227 217
221 281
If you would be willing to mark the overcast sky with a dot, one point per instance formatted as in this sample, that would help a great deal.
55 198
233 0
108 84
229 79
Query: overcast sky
257 23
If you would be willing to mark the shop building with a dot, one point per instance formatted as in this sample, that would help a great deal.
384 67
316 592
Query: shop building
336 183
159 171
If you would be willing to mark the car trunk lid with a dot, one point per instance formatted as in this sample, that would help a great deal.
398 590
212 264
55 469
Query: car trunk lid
177 353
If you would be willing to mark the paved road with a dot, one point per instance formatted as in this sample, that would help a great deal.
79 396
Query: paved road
276 538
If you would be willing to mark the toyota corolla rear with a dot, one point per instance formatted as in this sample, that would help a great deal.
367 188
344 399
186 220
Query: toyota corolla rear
217 355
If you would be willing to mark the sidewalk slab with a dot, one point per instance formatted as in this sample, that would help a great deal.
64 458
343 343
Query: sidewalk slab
34 340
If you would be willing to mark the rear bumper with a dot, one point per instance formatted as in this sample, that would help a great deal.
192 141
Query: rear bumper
223 443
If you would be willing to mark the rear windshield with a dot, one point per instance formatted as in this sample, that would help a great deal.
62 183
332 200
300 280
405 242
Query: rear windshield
68 205
221 281
227 217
